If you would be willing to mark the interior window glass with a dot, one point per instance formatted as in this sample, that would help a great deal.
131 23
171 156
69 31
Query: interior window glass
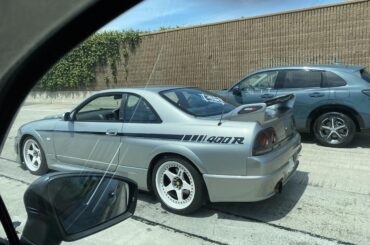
137 110
198 102
302 79
260 81
365 75
331 79
104 108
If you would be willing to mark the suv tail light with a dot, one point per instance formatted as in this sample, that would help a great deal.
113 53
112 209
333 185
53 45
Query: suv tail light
264 141
366 91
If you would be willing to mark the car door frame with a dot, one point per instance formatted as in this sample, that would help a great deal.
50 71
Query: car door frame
240 97
70 129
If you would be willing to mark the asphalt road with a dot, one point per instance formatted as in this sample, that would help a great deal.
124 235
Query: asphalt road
326 202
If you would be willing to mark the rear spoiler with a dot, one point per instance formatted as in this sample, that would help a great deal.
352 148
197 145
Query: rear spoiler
262 112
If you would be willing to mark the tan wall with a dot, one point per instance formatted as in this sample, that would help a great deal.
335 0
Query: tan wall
215 56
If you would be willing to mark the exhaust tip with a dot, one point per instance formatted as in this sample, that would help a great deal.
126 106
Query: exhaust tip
279 187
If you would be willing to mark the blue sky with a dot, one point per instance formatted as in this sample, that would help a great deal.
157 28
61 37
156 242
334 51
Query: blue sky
153 14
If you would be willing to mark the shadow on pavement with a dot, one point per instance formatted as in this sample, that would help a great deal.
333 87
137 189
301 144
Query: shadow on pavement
271 209
274 208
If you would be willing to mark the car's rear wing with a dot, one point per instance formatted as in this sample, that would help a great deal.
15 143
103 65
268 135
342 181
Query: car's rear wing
263 112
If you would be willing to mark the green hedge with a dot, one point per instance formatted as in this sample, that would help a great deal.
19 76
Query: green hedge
77 68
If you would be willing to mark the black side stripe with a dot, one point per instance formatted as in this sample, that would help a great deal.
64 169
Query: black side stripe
135 135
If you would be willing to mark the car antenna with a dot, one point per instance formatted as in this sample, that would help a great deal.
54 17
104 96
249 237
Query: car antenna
222 115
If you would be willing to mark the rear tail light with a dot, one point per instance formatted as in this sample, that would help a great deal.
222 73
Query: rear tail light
264 141
366 91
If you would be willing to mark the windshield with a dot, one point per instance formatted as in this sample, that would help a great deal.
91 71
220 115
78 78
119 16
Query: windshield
197 102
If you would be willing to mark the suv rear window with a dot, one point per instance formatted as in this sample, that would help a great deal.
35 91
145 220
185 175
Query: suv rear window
331 79
365 75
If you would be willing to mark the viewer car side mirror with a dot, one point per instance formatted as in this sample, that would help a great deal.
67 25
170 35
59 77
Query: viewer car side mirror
237 91
70 206
67 116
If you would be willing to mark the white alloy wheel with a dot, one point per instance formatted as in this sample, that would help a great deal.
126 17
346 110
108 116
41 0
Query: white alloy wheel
33 156
175 185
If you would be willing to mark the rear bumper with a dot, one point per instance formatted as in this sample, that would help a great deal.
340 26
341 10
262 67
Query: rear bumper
227 188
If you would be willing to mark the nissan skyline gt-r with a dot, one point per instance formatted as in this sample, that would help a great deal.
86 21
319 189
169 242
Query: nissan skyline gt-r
185 144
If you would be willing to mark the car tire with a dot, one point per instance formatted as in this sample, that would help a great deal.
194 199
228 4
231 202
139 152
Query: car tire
33 156
334 129
174 176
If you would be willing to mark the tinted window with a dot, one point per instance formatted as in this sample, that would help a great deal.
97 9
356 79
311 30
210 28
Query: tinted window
260 81
332 80
137 110
301 79
103 108
198 102
365 75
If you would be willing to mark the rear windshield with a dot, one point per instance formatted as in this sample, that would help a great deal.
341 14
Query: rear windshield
197 102
365 75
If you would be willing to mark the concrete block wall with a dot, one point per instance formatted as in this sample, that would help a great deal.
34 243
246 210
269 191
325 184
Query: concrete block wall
214 56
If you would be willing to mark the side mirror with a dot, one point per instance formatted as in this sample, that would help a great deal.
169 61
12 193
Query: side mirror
236 91
67 116
70 206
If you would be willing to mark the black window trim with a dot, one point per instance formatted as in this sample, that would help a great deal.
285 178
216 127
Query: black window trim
323 79
93 97
159 120
237 84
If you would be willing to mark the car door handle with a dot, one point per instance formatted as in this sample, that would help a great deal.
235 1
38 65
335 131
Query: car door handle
317 94
111 132
265 96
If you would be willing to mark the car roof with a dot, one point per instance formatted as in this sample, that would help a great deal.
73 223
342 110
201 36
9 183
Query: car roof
327 67
153 89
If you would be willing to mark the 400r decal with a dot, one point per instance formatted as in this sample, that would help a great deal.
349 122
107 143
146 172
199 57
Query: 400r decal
214 139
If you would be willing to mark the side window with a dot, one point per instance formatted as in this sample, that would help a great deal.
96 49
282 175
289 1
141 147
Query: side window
365 75
103 108
137 110
331 79
263 80
301 79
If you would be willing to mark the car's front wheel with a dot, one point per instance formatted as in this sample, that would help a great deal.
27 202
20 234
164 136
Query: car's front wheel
178 185
334 129
33 156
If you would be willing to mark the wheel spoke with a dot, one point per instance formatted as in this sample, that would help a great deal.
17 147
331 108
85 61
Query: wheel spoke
180 174
327 137
170 175
29 152
340 127
168 188
326 127
179 195
332 122
340 136
186 185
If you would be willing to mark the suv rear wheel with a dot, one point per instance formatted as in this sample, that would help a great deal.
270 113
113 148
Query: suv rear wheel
334 129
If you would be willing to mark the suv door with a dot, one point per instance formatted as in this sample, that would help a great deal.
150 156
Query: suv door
92 137
307 87
256 88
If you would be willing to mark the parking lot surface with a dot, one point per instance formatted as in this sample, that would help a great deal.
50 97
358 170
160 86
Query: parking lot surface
326 202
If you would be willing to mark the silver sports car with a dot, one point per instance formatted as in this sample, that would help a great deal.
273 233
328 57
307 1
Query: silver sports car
187 145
